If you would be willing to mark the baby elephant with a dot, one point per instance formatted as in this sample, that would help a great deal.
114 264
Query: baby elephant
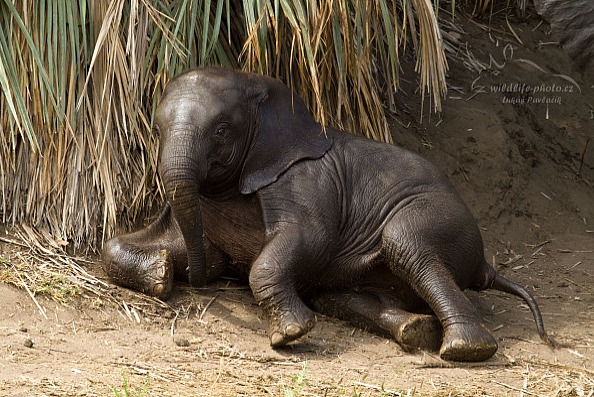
358 229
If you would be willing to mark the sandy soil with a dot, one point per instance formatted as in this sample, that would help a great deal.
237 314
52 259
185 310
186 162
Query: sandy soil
522 166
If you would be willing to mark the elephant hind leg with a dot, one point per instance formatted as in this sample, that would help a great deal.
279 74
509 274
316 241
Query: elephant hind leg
411 331
465 338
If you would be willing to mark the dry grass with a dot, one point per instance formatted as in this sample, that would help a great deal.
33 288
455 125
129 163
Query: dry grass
36 262
482 7
80 81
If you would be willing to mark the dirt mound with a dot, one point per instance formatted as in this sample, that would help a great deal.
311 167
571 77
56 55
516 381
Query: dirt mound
513 139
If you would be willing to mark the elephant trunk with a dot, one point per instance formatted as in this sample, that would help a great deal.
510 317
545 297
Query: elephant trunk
180 170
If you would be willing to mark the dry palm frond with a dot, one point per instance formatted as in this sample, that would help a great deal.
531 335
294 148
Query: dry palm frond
482 6
334 53
80 81
430 40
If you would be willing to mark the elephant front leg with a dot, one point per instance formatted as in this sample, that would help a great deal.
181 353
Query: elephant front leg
273 283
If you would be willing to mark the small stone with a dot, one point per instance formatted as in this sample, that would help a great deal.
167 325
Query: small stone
170 315
28 343
181 342
23 329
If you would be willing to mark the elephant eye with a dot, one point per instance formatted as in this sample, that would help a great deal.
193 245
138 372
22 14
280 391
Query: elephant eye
222 130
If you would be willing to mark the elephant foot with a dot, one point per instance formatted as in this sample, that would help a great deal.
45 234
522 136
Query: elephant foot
157 278
467 342
382 315
150 273
417 332
287 327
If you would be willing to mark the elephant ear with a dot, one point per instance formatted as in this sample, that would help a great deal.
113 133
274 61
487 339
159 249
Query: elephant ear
285 133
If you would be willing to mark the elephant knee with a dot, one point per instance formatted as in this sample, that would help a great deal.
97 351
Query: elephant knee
401 255
112 250
264 278
119 247
115 254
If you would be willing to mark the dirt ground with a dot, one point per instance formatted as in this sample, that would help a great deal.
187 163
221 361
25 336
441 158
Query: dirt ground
526 171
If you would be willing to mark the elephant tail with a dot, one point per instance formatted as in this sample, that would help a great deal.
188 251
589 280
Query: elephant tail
492 280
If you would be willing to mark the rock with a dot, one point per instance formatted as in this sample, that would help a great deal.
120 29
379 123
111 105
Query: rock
181 342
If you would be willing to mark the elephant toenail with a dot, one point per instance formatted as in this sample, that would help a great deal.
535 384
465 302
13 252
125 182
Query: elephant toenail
161 272
276 339
158 289
293 330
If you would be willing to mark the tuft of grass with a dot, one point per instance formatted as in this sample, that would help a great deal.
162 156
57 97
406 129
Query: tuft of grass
126 390
32 260
299 383
21 273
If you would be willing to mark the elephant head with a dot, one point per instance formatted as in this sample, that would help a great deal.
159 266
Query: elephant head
225 133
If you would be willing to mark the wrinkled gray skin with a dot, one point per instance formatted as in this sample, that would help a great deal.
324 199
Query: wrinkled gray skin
358 229
572 22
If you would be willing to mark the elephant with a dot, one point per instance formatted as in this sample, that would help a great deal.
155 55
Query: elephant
317 219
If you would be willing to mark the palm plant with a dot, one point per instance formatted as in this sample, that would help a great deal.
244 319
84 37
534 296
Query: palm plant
81 79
